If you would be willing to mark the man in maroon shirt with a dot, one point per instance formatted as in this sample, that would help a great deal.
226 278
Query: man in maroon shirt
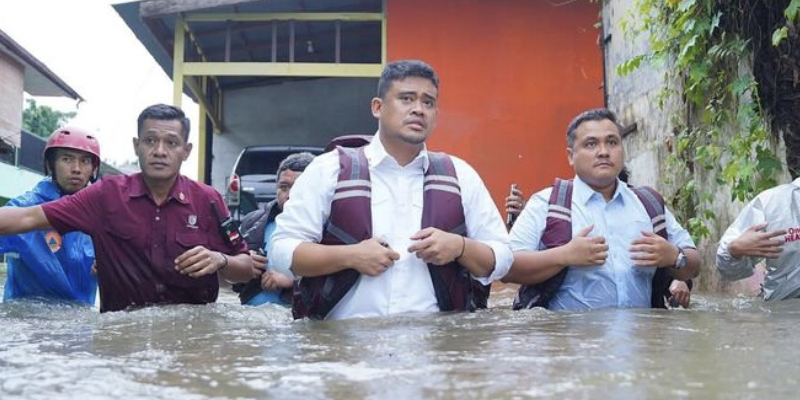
156 233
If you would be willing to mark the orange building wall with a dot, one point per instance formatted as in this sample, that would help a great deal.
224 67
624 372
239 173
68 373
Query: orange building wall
512 73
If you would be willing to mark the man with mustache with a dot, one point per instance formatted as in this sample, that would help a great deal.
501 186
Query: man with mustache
679 291
612 249
159 237
391 227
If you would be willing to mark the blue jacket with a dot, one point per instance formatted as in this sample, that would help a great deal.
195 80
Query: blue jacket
45 263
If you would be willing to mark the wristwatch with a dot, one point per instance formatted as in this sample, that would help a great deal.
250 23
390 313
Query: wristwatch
680 262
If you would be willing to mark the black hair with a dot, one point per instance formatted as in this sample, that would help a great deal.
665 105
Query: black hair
399 70
164 112
597 114
625 174
296 162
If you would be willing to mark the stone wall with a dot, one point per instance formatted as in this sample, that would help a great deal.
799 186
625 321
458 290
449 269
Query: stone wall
637 99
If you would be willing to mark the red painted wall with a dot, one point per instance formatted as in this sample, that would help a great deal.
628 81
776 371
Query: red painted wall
512 73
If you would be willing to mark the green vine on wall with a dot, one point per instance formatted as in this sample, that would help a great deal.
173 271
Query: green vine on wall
724 131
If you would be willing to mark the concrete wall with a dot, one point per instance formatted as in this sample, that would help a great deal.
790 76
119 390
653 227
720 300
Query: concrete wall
635 98
12 81
307 112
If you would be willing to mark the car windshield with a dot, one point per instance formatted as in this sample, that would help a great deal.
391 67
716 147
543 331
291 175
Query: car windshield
260 163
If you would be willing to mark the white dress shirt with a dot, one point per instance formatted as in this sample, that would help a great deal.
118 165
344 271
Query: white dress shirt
780 207
396 215
617 283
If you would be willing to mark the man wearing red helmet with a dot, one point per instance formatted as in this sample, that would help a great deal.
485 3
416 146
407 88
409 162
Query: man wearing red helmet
160 237
45 264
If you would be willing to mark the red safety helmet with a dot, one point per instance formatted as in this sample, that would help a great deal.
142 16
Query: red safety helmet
71 137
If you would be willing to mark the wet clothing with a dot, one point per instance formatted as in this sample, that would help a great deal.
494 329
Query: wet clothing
397 200
137 241
350 222
617 283
46 264
257 228
558 232
780 207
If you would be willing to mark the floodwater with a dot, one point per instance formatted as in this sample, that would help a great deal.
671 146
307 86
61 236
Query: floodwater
724 348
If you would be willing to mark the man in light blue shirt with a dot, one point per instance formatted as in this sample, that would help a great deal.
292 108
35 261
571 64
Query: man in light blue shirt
614 252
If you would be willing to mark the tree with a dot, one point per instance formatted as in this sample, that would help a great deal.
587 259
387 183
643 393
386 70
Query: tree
43 120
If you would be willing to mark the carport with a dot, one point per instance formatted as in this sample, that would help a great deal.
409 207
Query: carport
513 73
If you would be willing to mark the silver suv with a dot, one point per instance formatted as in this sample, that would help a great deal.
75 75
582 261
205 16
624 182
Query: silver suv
252 181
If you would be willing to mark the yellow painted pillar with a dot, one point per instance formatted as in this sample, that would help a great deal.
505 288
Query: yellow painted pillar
201 134
177 62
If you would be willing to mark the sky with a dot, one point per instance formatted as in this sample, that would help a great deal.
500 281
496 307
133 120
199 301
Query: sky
88 45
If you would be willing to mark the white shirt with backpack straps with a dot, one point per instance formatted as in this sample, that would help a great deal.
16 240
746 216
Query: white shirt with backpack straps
617 283
780 207
397 199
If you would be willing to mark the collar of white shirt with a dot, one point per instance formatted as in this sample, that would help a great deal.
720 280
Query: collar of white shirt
582 192
376 154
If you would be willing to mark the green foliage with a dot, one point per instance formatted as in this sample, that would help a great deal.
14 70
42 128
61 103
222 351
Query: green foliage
723 131
792 11
779 35
43 120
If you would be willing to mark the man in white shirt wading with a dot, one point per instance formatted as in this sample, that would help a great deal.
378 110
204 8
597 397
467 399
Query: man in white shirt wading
392 270
767 228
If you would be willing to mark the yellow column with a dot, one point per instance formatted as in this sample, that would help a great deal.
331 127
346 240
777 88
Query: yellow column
201 134
177 63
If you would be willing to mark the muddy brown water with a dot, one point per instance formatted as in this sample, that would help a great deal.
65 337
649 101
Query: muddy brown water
724 348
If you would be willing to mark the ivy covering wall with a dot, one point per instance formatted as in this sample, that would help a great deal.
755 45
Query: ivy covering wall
735 65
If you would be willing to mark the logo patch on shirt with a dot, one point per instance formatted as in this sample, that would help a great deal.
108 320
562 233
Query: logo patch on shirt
792 235
53 240
192 222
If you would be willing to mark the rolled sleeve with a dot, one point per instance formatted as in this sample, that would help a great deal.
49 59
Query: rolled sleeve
729 267
281 253
503 258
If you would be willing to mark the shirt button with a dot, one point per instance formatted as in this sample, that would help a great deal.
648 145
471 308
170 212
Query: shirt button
158 218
